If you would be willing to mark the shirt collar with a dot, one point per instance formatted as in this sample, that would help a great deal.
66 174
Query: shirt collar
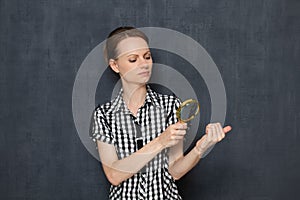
118 104
152 97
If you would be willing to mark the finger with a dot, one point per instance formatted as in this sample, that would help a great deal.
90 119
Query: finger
209 132
220 131
226 129
207 128
177 137
180 126
214 133
180 122
180 132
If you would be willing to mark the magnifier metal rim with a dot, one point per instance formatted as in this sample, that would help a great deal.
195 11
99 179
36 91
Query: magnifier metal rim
178 112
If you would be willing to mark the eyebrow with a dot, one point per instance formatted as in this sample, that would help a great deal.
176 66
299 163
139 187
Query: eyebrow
132 54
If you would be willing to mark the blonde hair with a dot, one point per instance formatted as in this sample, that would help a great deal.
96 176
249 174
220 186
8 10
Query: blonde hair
116 36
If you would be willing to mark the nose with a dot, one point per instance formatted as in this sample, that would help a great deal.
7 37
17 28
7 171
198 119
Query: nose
144 63
144 66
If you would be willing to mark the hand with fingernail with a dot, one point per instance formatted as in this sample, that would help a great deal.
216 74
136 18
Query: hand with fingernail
173 134
214 133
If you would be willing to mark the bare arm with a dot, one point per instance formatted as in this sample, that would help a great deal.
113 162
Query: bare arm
119 170
179 165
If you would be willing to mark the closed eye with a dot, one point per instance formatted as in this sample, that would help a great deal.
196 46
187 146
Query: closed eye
147 56
132 60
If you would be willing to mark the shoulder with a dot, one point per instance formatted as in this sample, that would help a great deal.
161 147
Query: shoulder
166 100
102 109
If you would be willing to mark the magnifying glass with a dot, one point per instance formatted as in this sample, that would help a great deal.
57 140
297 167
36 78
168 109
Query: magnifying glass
188 110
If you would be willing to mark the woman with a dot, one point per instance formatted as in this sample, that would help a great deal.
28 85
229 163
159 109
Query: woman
139 140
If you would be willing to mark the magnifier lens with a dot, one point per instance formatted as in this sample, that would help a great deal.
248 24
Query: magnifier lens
188 110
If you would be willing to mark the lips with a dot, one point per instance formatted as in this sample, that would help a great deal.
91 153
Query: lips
144 73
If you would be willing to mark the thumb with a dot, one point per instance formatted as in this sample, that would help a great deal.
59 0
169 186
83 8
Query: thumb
226 129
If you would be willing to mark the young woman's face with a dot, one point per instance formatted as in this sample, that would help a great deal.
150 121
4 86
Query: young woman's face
134 61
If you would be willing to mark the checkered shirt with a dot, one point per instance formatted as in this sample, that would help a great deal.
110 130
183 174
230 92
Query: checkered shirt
113 123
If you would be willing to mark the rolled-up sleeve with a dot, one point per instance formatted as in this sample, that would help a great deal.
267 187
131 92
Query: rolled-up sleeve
100 128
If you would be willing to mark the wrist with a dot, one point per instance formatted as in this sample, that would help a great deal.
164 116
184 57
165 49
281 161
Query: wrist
160 143
197 151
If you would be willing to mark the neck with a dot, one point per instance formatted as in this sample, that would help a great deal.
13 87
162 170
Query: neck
134 95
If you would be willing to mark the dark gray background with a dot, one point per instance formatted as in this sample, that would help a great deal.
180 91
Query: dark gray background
255 45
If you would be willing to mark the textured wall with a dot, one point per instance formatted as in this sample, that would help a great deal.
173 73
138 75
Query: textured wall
255 45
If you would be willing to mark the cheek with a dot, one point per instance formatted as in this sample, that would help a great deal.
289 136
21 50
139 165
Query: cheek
127 67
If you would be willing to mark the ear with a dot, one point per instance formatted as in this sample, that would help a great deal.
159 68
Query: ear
113 65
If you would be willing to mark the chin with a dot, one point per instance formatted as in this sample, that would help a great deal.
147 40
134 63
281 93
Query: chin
142 82
146 80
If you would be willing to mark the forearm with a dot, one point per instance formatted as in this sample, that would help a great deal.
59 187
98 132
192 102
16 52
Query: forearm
120 170
185 163
214 134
